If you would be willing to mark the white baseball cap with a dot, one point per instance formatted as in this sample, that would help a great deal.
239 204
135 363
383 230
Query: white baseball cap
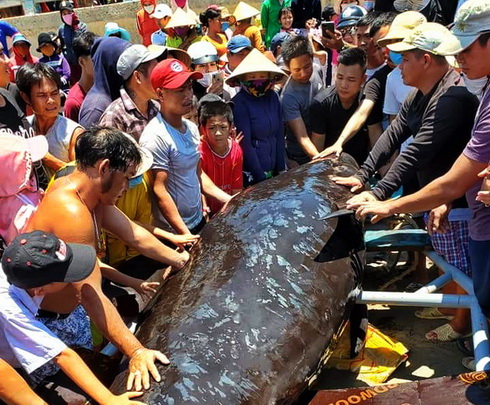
430 37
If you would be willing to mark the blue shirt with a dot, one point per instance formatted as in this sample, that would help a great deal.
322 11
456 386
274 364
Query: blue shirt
260 120
6 30
177 154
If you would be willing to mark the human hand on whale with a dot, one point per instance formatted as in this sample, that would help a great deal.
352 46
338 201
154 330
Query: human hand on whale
141 365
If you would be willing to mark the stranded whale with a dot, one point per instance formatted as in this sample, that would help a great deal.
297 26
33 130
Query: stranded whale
268 289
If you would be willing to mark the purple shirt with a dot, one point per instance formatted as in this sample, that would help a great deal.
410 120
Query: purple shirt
478 149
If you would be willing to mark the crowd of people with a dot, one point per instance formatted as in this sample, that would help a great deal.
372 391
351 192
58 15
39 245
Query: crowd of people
115 155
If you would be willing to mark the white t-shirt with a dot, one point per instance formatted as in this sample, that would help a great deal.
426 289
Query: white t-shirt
371 72
178 154
396 92
24 341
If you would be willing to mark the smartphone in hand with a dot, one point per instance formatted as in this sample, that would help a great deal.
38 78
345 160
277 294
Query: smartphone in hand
328 26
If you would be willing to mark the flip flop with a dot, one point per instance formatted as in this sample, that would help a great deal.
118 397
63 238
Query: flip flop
465 346
444 333
432 313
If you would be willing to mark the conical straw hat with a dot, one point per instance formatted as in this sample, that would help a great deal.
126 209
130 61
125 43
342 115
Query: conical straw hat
180 19
255 61
244 10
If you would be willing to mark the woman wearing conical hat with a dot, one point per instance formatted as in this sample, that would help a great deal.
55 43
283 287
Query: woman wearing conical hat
181 30
257 114
243 15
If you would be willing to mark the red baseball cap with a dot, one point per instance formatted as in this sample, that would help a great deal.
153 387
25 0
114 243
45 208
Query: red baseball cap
171 74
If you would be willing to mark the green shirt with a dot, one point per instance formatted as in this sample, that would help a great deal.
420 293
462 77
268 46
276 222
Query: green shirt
269 14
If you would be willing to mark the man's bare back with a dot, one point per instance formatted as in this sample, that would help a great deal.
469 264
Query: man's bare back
63 213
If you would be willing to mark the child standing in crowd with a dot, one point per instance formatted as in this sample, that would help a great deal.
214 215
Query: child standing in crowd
285 18
270 12
48 47
221 156
22 55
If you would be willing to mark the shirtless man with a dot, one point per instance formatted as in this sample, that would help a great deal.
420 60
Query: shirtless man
76 208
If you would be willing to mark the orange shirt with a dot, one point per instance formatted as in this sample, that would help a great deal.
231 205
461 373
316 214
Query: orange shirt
146 26
252 32
220 46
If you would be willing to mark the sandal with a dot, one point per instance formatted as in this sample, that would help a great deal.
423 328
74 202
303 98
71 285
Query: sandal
469 363
444 333
465 346
432 313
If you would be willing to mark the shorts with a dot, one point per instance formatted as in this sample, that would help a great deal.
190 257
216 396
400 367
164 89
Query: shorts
74 331
453 245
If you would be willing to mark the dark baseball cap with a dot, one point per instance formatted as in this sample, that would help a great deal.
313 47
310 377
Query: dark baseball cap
66 5
38 258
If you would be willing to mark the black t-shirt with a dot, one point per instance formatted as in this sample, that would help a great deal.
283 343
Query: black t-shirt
329 117
374 90
303 10
14 91
13 122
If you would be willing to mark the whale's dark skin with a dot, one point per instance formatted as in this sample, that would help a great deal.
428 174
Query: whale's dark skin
249 318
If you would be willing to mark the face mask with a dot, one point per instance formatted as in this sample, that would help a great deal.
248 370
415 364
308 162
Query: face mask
205 81
476 86
258 87
225 25
67 19
396 58
149 9
181 31
369 5
135 181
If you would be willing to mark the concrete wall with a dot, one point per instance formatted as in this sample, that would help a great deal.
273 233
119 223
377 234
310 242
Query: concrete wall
96 18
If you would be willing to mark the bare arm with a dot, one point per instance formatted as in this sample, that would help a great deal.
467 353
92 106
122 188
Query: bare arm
209 188
299 130
105 316
134 235
178 240
71 151
53 162
318 140
352 127
76 369
14 390
166 203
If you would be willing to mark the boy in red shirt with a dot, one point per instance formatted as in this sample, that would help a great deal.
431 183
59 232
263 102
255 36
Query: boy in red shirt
221 156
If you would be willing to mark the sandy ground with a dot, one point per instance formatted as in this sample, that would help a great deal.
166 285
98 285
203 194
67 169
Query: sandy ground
426 359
